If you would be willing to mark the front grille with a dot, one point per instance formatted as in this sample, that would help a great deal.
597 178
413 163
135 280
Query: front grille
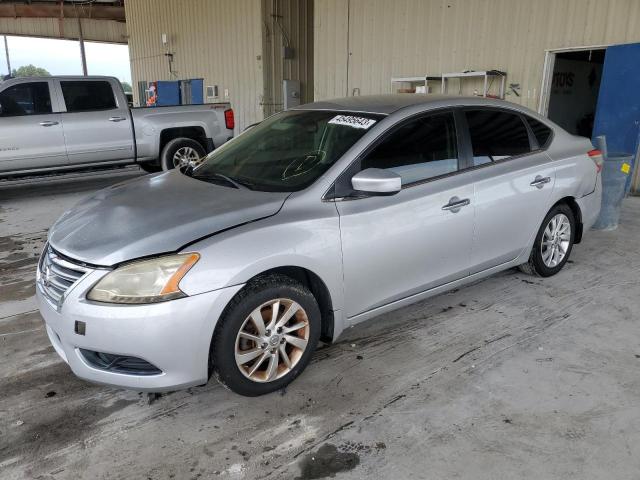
57 274
119 363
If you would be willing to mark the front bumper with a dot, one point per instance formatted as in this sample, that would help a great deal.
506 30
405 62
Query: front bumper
174 336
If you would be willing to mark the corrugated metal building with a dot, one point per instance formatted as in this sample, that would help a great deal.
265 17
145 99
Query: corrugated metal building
346 47
362 44
234 45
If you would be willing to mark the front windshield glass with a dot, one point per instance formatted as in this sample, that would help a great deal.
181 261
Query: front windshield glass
286 152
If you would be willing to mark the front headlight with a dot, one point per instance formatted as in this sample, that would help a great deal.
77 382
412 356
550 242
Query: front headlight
145 281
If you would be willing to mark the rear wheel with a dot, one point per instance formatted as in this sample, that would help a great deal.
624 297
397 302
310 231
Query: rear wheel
266 336
181 153
553 243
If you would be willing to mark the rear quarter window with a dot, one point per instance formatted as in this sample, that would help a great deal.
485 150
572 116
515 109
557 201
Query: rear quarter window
540 131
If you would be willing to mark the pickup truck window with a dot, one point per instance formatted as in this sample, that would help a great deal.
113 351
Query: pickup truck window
288 151
25 99
86 96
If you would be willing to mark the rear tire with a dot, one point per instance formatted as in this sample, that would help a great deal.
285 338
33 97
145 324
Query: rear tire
181 152
275 353
553 243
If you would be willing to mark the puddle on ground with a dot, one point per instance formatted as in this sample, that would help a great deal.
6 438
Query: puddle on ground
326 462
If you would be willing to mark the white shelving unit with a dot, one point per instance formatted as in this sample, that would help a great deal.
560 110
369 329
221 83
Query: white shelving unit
410 84
486 75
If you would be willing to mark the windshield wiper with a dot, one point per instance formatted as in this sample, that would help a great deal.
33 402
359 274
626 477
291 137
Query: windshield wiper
233 181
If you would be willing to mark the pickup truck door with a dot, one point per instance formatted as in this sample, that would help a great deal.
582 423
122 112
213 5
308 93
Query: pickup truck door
97 122
31 134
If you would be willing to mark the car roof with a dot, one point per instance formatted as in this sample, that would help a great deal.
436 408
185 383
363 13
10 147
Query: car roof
388 104
56 77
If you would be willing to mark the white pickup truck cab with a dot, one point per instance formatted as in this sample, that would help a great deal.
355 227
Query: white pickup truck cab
62 123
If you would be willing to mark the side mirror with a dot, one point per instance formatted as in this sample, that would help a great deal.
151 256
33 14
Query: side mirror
377 181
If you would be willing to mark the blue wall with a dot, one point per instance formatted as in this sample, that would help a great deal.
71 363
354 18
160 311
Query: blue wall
618 108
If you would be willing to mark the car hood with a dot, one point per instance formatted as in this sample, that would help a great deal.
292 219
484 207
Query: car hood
155 214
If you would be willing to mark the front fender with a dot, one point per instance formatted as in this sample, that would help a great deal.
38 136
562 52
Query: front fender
309 239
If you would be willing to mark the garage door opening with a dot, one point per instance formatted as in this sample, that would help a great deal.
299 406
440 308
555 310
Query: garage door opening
573 90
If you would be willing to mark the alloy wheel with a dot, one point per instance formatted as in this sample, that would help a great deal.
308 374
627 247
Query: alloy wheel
185 157
556 240
272 340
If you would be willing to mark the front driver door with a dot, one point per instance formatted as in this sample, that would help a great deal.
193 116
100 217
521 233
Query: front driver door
401 245
30 133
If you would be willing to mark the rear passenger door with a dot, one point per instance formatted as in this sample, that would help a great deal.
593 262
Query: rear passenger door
513 182
30 133
96 128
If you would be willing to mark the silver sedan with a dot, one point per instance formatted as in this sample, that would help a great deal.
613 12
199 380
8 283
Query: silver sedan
314 220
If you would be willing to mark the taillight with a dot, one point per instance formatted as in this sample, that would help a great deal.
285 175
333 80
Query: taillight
596 156
229 119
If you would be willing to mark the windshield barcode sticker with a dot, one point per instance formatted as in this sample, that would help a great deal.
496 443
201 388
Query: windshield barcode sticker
351 121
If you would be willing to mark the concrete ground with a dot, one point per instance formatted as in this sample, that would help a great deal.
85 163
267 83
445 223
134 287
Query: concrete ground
513 377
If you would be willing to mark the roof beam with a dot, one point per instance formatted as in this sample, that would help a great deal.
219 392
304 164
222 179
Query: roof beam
39 10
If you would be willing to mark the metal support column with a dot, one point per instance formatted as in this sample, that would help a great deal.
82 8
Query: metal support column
6 51
82 53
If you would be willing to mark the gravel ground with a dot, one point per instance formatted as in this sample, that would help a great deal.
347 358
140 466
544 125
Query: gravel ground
512 377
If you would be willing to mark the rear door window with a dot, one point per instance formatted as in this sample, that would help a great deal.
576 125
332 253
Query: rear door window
86 96
496 135
418 150
25 99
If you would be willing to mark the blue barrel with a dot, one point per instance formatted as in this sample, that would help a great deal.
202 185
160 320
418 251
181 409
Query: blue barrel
614 181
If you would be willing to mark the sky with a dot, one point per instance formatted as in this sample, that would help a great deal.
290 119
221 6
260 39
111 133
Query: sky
62 57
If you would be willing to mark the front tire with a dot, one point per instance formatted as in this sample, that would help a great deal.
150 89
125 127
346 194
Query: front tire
181 153
553 243
266 336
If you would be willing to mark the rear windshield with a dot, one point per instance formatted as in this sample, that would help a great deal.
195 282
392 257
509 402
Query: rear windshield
288 151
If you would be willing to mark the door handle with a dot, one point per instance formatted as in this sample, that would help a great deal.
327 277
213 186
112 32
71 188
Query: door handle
117 119
540 181
455 204
48 124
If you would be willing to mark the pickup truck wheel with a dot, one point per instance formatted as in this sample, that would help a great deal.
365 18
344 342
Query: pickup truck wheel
181 153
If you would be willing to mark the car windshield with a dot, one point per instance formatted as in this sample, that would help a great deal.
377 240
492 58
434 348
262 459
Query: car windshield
286 152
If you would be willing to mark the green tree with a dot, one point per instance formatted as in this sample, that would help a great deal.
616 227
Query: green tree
30 71
126 86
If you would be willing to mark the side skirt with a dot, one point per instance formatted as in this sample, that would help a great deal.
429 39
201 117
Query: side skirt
437 290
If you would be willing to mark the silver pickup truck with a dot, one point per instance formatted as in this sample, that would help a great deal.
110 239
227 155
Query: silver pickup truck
62 123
